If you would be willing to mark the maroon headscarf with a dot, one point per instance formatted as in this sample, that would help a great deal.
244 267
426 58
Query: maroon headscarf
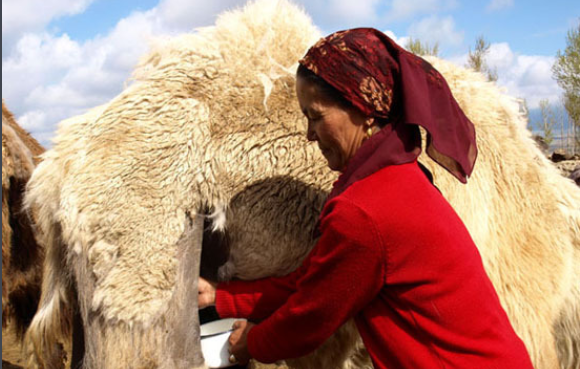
385 81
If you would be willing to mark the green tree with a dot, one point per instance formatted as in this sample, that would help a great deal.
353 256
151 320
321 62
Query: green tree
547 122
561 121
525 111
419 48
566 70
476 59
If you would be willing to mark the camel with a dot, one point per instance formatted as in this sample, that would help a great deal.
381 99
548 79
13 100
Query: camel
21 255
206 149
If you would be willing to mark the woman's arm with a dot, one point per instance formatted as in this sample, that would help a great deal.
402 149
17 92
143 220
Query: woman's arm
253 300
346 271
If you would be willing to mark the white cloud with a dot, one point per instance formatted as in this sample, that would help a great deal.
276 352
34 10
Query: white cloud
531 77
401 41
405 9
35 14
333 15
26 16
523 76
434 30
495 5
48 78
36 122
33 121
183 15
500 56
39 59
526 76
354 12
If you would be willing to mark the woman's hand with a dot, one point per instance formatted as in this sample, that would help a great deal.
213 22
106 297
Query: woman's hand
239 342
206 293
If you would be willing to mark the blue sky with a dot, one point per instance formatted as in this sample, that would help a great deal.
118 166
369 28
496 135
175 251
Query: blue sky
62 57
531 26
99 18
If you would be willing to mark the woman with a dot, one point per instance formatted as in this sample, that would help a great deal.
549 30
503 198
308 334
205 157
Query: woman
392 253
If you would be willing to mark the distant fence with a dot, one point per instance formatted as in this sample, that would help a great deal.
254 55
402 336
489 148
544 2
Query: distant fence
565 143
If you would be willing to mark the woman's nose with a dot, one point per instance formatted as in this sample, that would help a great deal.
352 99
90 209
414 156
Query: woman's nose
310 134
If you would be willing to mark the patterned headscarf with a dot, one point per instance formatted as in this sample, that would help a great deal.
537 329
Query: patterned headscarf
383 80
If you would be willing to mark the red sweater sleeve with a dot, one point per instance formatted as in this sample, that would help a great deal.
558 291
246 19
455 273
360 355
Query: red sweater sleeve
256 300
345 271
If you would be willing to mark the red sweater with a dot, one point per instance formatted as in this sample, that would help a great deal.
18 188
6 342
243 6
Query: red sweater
394 256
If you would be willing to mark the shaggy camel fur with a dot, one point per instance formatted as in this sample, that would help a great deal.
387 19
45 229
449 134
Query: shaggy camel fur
211 130
21 255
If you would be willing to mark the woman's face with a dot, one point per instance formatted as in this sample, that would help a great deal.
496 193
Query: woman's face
338 131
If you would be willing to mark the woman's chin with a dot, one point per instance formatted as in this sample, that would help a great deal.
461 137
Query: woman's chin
333 165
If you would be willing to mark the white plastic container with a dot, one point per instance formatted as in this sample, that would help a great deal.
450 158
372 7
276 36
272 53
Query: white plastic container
214 342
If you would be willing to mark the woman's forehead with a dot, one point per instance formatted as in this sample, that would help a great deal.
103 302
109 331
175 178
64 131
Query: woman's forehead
308 91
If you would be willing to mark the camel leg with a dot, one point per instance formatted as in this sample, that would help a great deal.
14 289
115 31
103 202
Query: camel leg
183 316
172 340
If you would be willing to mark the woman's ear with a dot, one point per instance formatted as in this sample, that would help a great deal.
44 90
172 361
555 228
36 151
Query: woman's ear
368 126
